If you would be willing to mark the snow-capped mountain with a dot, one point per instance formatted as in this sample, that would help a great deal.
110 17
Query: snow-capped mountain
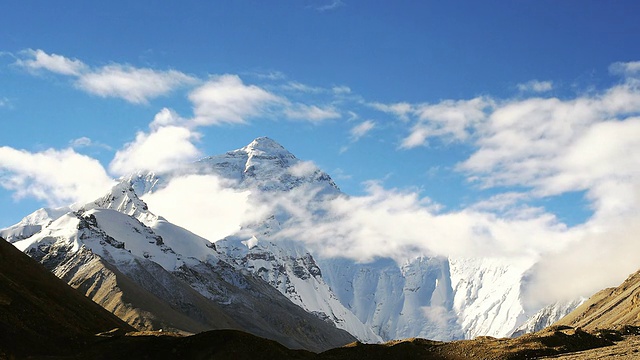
431 297
154 274
427 296
547 316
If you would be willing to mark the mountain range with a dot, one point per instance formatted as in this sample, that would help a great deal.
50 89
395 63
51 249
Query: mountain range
263 277
43 317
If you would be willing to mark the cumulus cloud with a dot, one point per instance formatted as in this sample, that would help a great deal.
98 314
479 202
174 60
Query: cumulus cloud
164 148
131 84
136 85
219 213
536 86
226 99
40 60
167 117
361 129
548 144
57 177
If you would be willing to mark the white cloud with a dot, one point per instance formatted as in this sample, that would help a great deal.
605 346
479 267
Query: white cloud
311 113
57 177
602 257
58 64
4 102
400 110
163 149
84 141
226 99
136 85
400 224
167 117
218 214
542 143
361 129
330 6
449 119
303 169
536 86
296 86
339 90
631 68
132 84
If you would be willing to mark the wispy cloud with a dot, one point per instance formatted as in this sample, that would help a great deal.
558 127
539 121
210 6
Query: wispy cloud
450 120
4 102
334 4
629 69
296 86
361 129
401 110
312 113
40 60
135 85
84 142
400 224
536 86
131 84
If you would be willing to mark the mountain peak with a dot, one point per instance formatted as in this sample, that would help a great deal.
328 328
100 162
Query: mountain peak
265 146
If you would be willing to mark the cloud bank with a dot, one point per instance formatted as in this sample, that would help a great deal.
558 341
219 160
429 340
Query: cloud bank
57 177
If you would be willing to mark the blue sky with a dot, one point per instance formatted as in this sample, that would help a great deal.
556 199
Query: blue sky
442 99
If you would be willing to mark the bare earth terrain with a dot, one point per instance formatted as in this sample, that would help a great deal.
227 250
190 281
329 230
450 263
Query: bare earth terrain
629 348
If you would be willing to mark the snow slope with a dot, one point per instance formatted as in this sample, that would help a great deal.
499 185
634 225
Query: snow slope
165 261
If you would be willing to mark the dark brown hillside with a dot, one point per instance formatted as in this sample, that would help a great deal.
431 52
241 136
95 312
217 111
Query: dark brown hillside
40 313
233 344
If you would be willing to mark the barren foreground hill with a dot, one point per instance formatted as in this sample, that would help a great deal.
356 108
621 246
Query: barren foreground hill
41 314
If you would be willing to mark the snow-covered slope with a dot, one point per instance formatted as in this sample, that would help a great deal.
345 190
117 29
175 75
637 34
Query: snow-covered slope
168 263
547 316
32 223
